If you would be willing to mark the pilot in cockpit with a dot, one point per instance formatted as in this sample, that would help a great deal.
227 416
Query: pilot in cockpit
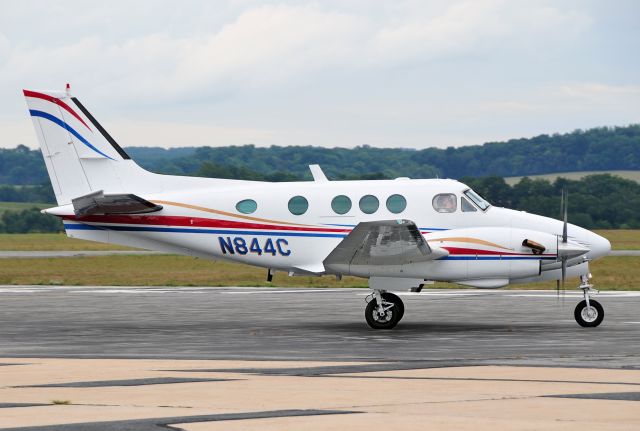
445 203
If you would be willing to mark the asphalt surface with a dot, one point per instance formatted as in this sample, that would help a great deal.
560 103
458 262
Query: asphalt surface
441 326
163 423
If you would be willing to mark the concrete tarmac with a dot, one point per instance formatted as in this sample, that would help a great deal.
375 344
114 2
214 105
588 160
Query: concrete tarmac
462 326
196 359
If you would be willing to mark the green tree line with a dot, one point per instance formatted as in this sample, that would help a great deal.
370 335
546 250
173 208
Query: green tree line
29 221
599 149
596 201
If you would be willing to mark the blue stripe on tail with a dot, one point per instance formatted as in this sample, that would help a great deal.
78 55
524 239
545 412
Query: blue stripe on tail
59 122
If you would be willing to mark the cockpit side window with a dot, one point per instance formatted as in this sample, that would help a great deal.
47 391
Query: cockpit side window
445 203
466 206
476 199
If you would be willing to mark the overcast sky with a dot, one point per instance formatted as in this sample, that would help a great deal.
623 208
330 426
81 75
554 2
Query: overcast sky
329 73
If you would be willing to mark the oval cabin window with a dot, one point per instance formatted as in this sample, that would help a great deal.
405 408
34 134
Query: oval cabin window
247 206
369 204
298 205
396 203
341 204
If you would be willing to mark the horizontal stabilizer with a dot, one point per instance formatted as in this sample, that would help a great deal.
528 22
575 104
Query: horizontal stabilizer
99 203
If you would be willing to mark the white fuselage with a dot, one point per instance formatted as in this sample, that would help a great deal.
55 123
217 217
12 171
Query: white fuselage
484 247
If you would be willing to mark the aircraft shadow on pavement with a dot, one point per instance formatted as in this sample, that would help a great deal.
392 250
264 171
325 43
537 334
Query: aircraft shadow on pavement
408 328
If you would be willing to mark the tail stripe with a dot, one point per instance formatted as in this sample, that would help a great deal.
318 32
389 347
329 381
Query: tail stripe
59 122
58 102
97 125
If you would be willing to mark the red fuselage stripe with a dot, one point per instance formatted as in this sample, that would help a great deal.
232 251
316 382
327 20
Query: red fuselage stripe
191 222
461 250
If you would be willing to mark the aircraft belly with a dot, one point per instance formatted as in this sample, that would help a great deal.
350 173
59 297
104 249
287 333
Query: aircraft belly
432 270
446 270
510 268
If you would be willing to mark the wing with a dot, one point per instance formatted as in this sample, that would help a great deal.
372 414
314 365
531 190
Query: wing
99 203
389 243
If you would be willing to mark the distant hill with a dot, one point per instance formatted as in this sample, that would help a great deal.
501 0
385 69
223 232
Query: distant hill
599 149
629 175
597 201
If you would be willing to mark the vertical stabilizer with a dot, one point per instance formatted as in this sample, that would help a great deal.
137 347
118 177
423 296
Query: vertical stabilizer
80 155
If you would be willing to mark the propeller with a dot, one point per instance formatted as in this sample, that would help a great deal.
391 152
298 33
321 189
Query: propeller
564 213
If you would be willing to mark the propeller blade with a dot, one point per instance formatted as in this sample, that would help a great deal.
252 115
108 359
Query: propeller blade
564 250
565 195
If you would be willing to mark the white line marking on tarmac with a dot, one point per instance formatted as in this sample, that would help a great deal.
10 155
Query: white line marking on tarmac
20 290
285 291
578 295
400 293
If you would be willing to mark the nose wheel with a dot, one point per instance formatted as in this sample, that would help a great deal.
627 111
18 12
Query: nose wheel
384 311
589 316
588 313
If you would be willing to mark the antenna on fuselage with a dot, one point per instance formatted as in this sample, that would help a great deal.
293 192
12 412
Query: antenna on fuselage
317 174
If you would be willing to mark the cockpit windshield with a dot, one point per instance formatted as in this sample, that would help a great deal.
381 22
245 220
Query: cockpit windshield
481 203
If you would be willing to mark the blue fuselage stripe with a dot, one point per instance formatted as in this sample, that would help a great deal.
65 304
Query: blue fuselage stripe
208 231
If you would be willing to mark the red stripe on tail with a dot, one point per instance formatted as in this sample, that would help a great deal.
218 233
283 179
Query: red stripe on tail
58 102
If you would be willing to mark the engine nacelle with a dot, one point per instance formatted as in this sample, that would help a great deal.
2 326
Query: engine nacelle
491 256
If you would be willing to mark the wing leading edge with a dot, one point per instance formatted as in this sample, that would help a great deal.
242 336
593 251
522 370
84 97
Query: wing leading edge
383 246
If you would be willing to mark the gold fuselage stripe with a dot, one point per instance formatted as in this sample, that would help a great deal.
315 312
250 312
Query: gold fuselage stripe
469 240
224 213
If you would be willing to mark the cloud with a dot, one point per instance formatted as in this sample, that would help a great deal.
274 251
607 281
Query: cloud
276 45
178 134
4 48
326 72
598 92
270 45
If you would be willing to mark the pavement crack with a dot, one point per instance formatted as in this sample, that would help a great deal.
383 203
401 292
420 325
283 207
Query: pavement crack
364 406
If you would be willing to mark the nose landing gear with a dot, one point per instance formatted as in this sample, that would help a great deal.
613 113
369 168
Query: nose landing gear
384 310
588 313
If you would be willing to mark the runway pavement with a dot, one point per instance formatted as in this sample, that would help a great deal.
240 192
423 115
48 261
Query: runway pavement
195 359
462 326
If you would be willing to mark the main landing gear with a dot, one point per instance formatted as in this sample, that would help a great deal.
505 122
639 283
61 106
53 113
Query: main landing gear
588 313
384 310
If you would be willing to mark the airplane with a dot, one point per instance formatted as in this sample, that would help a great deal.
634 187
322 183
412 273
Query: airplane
400 234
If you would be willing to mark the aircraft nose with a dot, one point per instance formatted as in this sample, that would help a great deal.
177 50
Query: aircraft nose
599 245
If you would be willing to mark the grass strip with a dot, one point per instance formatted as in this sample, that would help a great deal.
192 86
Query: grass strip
611 273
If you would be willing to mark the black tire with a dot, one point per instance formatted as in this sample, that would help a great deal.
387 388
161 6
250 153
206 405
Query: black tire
391 317
585 321
391 297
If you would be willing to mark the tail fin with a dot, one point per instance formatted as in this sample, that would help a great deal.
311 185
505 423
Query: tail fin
81 157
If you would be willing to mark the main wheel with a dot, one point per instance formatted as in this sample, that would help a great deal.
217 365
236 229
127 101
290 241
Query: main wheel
391 297
391 315
589 317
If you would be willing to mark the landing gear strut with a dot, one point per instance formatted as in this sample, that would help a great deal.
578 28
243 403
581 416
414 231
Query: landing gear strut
384 310
588 313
